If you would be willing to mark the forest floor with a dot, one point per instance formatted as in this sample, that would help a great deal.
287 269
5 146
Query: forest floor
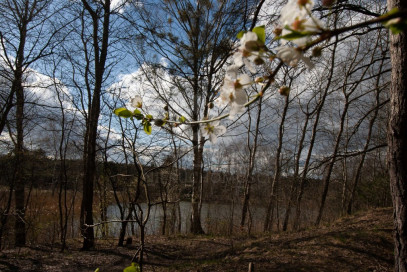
362 242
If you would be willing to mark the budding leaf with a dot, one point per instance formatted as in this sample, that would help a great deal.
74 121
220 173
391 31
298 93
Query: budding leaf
395 25
138 115
294 34
147 127
123 112
240 34
391 12
132 268
182 119
261 33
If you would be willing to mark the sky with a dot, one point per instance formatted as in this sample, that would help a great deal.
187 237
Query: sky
131 81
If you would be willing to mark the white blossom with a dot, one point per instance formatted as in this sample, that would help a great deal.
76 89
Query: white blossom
296 16
212 130
310 25
293 10
249 42
232 92
291 56
248 52
137 102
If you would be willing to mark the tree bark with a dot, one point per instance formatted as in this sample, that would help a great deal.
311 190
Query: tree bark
19 193
17 88
252 156
92 121
397 140
268 221
196 226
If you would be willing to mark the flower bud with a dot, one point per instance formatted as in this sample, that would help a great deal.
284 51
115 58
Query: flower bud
259 79
302 2
258 61
298 25
166 107
159 123
277 31
284 90
252 46
210 105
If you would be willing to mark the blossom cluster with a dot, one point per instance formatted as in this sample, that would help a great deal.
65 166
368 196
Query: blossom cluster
298 27
296 33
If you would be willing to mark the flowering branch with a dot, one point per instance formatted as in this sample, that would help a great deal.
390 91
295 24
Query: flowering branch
299 27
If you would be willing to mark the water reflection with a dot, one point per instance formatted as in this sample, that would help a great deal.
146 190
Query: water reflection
215 218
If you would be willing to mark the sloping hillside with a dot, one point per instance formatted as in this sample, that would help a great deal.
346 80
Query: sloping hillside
362 242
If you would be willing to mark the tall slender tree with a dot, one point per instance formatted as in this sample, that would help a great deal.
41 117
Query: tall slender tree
397 140
99 14
194 39
27 35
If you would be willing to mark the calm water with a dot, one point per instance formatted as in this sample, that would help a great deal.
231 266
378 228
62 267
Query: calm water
214 218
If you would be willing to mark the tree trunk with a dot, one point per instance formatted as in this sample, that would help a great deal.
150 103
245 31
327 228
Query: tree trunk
93 119
268 222
252 156
397 140
366 147
19 192
196 226
295 183
328 173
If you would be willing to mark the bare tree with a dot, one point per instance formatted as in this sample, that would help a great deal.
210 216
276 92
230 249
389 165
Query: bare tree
27 36
268 220
193 37
252 155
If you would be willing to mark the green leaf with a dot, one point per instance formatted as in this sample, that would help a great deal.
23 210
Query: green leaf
97 270
149 117
147 127
261 33
396 25
182 119
138 115
134 267
391 12
123 112
293 35
240 34
397 29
